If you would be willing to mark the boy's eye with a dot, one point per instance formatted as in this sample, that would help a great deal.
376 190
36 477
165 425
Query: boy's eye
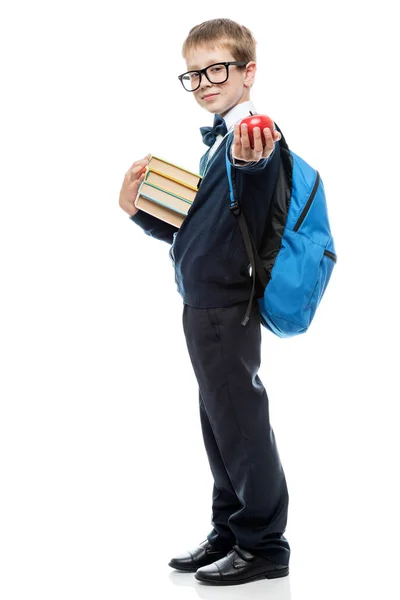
216 69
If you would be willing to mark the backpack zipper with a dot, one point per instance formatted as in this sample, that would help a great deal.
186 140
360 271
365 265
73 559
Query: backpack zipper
330 255
304 212
307 206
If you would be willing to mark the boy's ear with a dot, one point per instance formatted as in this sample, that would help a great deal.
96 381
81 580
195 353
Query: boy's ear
251 69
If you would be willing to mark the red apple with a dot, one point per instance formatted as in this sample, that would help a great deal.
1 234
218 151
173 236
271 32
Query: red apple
260 121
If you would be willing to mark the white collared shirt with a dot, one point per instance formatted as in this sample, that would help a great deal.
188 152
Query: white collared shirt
235 115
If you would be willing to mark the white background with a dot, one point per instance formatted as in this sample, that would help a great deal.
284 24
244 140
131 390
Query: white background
103 472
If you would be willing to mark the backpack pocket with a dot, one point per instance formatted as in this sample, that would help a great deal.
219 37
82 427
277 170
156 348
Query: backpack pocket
325 271
298 280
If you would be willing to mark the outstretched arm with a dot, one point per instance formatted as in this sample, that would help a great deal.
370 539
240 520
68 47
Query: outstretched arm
249 159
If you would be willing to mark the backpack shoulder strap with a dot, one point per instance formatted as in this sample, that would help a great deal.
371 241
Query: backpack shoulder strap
255 261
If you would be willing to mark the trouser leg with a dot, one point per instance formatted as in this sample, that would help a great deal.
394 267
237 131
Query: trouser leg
224 499
226 357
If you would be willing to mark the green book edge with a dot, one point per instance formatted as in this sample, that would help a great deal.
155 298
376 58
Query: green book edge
165 191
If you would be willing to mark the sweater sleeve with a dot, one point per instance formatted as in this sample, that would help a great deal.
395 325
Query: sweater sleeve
154 227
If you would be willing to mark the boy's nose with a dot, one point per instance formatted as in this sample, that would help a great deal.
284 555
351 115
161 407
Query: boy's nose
204 84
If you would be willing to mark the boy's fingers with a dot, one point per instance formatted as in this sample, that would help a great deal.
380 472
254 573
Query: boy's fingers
141 162
138 167
258 145
245 137
136 170
136 183
237 141
269 143
276 135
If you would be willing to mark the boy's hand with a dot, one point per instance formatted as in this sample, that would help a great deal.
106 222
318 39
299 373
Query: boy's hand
242 149
133 178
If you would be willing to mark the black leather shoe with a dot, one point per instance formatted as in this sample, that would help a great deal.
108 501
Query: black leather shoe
240 566
203 555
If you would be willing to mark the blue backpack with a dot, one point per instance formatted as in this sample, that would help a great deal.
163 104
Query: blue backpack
296 257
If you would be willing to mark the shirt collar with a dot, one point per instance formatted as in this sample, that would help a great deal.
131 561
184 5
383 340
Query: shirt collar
238 112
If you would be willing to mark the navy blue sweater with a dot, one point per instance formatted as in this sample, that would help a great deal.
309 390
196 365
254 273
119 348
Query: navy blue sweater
208 252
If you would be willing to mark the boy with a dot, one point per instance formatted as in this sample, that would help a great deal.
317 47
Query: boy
250 497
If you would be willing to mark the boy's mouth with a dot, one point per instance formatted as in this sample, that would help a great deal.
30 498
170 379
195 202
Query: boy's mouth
209 96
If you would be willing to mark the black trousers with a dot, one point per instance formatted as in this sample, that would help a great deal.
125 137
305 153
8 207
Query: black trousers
250 497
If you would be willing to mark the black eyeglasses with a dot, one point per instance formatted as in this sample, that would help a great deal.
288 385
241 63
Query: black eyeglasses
216 73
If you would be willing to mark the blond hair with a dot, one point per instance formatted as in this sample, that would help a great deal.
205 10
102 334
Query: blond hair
238 39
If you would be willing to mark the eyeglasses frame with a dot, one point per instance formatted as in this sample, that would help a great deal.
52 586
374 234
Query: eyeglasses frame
238 63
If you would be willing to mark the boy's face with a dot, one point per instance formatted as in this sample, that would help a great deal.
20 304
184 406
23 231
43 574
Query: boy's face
228 94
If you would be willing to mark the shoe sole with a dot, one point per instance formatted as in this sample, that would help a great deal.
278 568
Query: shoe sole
187 570
269 575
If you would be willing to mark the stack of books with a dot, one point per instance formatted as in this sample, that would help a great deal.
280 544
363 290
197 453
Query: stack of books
167 191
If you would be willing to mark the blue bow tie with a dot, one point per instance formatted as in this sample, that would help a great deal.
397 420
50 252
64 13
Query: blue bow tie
209 134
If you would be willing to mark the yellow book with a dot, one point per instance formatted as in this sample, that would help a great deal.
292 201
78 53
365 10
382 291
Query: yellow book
170 185
174 172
